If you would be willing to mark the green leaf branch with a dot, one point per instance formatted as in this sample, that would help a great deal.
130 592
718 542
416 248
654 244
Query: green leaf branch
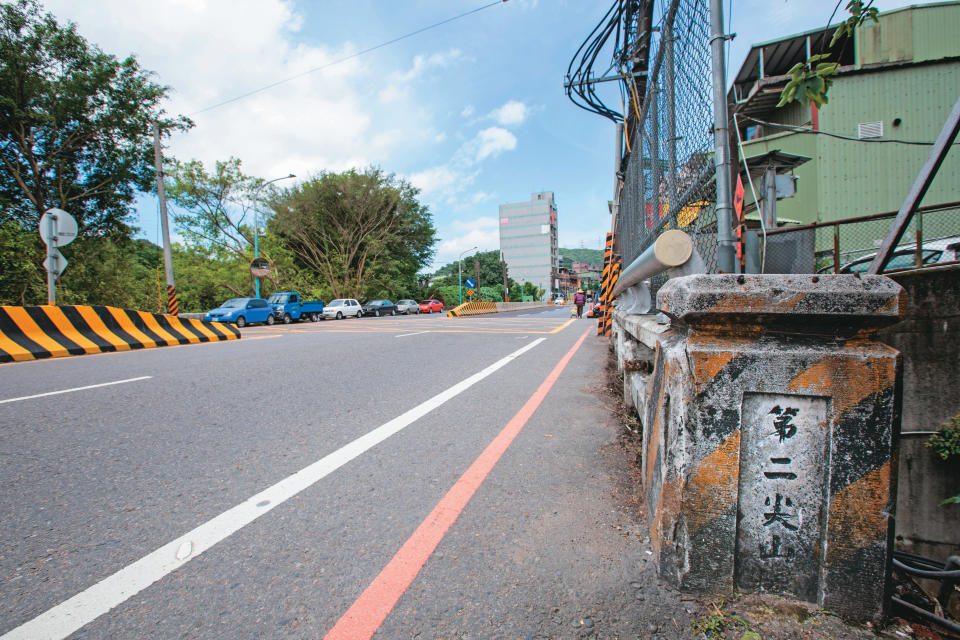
811 80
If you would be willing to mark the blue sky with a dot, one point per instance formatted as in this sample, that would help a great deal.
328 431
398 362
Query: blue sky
472 112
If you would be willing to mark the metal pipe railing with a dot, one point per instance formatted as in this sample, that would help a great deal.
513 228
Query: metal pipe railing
672 249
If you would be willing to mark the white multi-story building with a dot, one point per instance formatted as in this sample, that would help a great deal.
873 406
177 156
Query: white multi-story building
528 240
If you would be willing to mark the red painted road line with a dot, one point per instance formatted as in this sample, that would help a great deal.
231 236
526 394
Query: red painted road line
365 616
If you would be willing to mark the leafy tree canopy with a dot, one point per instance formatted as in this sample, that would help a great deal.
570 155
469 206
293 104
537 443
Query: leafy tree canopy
491 271
75 124
364 233
590 256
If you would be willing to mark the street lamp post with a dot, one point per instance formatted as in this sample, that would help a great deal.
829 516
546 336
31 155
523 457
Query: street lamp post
256 227
460 272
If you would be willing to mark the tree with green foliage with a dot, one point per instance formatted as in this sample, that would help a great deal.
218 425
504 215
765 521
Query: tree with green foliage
362 232
75 124
810 81
21 254
491 269
216 213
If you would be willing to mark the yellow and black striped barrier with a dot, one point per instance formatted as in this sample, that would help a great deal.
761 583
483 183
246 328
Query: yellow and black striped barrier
604 283
612 274
173 306
30 333
472 309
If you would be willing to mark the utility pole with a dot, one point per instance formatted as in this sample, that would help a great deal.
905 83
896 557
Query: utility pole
506 287
725 261
173 307
476 268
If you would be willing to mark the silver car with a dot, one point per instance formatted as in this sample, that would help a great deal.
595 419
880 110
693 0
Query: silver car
407 307
342 308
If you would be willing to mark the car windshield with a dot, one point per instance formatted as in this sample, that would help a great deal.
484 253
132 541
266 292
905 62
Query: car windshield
335 303
278 298
234 303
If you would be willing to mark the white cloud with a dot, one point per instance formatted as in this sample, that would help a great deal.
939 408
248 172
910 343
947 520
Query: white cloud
480 197
491 142
448 181
467 111
483 223
435 180
449 248
437 60
511 113
209 52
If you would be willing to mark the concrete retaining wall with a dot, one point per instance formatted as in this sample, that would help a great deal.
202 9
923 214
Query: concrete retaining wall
29 333
929 340
769 426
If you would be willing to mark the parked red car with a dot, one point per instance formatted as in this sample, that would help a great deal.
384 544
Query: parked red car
431 306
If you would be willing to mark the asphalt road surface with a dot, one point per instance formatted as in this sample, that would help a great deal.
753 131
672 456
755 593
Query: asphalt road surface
396 477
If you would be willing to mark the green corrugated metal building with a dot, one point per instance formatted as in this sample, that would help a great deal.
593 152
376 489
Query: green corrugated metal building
898 80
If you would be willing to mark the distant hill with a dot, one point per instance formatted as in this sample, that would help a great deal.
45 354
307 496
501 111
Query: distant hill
590 256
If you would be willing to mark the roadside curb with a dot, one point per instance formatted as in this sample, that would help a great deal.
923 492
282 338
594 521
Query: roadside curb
31 333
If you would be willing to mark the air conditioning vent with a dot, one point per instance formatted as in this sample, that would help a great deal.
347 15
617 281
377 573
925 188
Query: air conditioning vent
870 130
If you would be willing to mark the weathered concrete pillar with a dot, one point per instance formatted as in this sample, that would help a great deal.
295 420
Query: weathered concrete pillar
770 432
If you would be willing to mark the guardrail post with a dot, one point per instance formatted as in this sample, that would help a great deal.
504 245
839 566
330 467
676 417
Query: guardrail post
770 424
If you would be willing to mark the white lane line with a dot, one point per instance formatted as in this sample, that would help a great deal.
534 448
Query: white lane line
88 605
91 386
410 334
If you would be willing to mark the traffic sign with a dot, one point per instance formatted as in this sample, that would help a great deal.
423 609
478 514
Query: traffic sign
471 283
61 262
470 292
59 224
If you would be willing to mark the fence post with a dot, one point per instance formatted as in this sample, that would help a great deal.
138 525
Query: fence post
836 248
725 257
671 116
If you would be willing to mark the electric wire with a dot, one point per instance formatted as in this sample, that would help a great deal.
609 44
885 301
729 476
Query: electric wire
345 58
793 129
756 201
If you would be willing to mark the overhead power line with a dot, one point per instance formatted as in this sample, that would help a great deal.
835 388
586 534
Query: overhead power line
350 57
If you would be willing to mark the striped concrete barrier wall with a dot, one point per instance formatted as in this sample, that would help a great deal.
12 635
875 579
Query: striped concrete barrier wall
503 307
770 422
29 333
472 309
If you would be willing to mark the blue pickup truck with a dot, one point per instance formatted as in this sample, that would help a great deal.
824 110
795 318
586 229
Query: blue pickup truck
290 306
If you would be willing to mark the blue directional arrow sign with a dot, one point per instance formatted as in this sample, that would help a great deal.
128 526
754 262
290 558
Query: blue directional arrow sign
471 283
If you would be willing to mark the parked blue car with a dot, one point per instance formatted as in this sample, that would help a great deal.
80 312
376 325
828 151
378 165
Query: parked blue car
242 311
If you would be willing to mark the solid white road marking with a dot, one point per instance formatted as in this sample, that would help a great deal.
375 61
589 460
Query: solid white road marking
410 334
91 386
88 605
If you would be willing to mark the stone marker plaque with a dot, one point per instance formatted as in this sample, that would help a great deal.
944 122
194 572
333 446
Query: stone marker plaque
781 499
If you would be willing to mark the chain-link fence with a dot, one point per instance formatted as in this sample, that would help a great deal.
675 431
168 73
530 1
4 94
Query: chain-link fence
668 167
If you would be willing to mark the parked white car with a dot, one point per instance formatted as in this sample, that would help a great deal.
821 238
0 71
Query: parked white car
406 307
342 308
905 256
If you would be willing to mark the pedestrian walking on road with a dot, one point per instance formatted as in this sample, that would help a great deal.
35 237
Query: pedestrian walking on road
580 299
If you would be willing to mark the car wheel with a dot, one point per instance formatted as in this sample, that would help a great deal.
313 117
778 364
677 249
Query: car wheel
393 312
429 310
241 321
270 319
376 313
360 313
339 316
287 319
314 317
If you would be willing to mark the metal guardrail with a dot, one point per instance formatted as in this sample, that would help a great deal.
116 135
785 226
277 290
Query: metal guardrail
864 245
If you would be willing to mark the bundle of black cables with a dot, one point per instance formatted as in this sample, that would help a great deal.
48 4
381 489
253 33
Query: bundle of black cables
948 573
580 85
